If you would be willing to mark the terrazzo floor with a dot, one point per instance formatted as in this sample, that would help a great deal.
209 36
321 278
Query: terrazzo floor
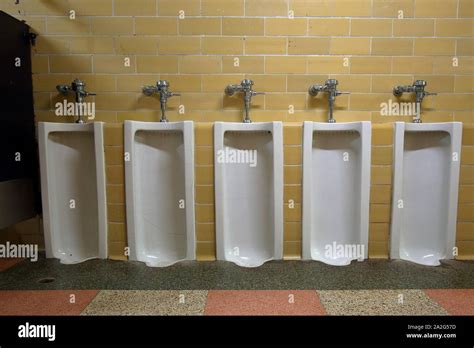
236 302
217 288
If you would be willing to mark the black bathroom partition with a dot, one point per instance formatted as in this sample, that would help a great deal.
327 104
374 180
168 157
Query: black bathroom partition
19 174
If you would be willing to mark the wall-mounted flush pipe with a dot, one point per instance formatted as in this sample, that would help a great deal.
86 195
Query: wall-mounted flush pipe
162 89
418 88
77 87
330 87
246 88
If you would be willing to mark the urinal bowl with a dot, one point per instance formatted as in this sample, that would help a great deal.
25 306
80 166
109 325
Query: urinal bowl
336 187
425 191
73 190
159 177
249 196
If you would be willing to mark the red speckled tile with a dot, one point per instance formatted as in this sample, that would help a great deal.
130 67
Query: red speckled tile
455 301
263 302
44 302
7 263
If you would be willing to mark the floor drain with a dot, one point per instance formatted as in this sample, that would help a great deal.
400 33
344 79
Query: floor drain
46 280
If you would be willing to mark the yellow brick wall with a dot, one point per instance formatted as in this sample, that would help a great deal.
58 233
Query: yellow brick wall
283 56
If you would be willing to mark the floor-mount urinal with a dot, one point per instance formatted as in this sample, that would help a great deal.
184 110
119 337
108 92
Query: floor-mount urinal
336 188
425 191
73 190
159 178
249 192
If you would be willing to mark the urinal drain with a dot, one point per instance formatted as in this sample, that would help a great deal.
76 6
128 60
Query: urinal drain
46 280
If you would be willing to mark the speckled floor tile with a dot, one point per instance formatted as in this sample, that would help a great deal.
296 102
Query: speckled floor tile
455 301
379 302
263 302
45 302
221 275
148 302
8 263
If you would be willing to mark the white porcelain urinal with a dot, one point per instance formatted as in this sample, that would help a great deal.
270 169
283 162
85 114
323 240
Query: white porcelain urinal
159 178
336 188
249 192
73 190
425 191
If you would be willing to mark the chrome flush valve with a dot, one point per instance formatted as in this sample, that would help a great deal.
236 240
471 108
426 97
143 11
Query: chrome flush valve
161 88
246 88
77 87
330 87
418 88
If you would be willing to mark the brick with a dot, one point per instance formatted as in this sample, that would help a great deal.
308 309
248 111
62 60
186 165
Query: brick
393 47
368 27
206 251
200 26
115 174
136 45
116 101
265 45
269 83
285 65
283 101
465 47
133 8
113 64
313 8
242 26
371 65
351 8
379 231
350 46
91 44
200 64
172 7
68 26
328 27
292 175
222 8
413 27
285 26
434 47
205 232
112 26
435 8
464 84
266 8
292 134
204 155
382 155
91 7
222 45
292 230
308 46
194 101
217 83
327 65
115 194
247 64
454 27
391 8
380 194
156 26
71 64
412 65
466 9
179 45
379 213
381 175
